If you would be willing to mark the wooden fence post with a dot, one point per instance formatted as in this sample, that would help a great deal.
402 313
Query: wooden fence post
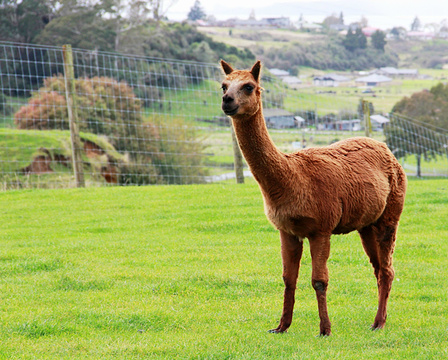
366 112
70 93
237 157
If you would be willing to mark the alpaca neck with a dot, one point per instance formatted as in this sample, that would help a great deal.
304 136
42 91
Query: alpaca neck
265 160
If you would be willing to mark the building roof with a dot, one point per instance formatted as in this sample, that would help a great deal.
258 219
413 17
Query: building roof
299 119
379 119
278 72
368 31
311 26
273 112
334 77
291 80
394 71
374 78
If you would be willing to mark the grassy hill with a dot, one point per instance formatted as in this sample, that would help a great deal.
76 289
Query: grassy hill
183 272
329 99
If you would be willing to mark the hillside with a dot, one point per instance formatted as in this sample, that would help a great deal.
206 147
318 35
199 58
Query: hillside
326 51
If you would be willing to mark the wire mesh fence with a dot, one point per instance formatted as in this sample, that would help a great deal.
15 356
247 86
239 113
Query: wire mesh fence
146 121
423 149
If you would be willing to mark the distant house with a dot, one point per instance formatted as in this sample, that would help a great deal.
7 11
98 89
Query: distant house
278 72
369 31
378 122
292 81
397 73
310 27
348 125
278 22
342 125
338 27
279 119
421 35
373 80
330 80
443 33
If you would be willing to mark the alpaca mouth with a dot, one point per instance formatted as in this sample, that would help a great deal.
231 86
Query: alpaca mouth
230 110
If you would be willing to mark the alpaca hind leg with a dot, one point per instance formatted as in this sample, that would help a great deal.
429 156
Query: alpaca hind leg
379 242
370 244
320 251
386 274
292 248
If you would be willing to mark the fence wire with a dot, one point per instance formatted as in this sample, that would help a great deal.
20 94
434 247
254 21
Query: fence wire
422 148
148 121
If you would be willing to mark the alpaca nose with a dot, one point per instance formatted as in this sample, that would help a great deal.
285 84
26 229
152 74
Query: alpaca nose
227 99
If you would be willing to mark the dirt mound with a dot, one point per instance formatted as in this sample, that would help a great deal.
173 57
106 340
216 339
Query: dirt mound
41 163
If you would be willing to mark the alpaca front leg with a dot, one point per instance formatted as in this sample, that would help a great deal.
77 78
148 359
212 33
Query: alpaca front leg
320 251
292 248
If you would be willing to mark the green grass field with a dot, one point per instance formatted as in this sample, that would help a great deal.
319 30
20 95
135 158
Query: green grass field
194 272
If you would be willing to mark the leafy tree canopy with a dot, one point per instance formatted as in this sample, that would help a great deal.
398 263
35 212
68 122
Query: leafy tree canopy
379 40
23 21
355 40
196 12
430 107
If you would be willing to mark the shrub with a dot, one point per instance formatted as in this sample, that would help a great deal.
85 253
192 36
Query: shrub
157 153
180 159
104 106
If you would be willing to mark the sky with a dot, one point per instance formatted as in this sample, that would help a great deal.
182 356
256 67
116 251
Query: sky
382 14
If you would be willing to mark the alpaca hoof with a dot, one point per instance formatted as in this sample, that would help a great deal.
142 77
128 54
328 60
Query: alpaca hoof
277 331
378 324
376 327
325 333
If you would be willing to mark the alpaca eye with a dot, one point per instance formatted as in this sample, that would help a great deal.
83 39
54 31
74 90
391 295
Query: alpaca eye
249 88
224 88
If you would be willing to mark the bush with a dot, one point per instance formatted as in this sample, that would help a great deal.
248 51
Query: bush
5 108
157 153
180 159
104 106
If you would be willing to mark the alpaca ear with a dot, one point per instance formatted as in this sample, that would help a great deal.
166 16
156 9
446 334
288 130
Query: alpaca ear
255 71
226 67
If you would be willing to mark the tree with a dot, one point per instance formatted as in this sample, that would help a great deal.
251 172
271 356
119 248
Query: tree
379 40
196 12
416 24
160 8
416 124
429 107
360 39
355 40
84 28
364 22
331 20
349 41
398 32
23 21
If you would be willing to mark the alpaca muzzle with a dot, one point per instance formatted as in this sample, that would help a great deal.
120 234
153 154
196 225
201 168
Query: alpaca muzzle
229 106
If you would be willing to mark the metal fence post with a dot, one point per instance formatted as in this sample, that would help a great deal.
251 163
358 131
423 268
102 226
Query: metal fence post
70 89
237 157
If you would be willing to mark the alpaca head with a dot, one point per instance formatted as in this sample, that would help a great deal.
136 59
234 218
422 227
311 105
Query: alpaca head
242 91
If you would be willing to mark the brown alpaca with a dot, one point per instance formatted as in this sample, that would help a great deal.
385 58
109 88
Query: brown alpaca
354 184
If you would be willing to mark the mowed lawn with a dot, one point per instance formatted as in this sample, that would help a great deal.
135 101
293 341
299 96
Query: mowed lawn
194 272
